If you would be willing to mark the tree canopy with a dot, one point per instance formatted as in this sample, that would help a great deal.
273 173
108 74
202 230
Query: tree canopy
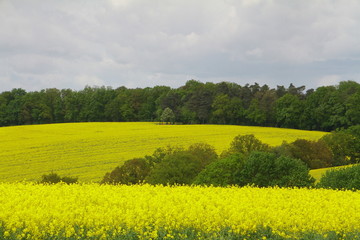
326 108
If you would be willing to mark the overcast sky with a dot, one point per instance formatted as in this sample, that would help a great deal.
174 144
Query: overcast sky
143 43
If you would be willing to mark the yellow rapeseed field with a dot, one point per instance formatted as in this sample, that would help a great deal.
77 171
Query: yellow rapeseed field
89 150
103 211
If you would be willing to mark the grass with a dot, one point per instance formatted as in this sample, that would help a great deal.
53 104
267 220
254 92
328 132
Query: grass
89 150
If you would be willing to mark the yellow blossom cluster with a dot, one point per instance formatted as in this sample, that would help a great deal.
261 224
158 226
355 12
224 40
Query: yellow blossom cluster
30 211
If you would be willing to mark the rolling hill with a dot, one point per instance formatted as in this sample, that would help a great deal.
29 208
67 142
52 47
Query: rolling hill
89 150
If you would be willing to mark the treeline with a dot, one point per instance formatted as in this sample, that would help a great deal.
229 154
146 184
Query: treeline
327 108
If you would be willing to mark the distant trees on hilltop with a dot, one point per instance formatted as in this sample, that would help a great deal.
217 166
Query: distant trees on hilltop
327 108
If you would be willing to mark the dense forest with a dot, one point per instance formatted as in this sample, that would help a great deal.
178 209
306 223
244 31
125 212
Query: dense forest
326 108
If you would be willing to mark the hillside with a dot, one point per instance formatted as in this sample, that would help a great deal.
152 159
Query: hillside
89 150
318 173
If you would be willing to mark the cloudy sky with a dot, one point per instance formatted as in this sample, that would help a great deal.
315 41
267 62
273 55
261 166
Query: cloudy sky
141 43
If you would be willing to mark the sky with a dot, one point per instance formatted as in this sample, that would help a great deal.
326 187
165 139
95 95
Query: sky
143 43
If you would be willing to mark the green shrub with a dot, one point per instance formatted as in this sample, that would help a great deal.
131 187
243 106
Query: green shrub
222 172
355 132
55 178
265 169
342 178
245 144
315 154
160 153
343 147
178 168
169 165
131 172
204 152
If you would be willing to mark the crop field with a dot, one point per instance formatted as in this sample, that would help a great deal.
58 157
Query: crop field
318 173
92 211
89 150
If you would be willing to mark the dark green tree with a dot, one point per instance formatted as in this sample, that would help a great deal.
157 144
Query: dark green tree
205 153
318 110
167 116
255 114
352 113
355 132
226 110
54 178
200 102
288 110
343 146
245 144
342 178
265 169
222 172
131 172
179 168
315 154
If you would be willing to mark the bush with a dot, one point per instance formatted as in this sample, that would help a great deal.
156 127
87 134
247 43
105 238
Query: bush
55 178
160 153
178 168
204 152
167 165
316 154
245 144
265 169
131 172
342 178
222 172
343 147
355 132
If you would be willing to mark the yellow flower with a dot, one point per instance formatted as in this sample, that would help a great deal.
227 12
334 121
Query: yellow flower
36 211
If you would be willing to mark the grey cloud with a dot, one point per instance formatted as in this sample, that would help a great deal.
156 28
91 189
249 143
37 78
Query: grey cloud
139 43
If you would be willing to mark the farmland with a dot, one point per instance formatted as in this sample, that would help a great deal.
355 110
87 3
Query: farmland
88 150
92 211
318 173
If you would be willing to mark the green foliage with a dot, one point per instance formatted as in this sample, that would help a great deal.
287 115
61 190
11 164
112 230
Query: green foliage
245 144
355 132
343 146
255 114
204 152
131 172
326 108
288 108
160 153
222 172
265 169
170 165
178 168
316 154
53 178
226 110
342 178
262 169
167 116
